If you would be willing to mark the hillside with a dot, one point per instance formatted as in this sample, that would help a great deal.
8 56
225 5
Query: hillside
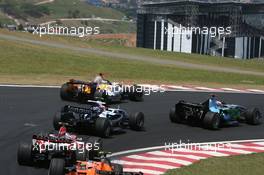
4 19
31 12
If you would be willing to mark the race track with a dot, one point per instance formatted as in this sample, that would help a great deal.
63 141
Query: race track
25 111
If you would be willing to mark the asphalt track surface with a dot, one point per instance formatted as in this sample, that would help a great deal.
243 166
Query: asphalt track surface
131 56
25 111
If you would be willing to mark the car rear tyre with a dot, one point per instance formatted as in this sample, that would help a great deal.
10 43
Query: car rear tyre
134 95
211 120
97 146
24 154
174 116
102 127
108 100
105 97
64 94
136 121
81 154
57 120
253 116
57 166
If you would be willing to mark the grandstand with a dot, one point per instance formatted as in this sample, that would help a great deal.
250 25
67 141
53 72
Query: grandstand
158 21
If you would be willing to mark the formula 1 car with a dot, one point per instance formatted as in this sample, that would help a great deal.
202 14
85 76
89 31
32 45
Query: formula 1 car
76 90
103 166
62 144
213 118
98 118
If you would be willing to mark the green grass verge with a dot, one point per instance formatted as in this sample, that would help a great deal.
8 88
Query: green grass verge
233 165
21 59
254 64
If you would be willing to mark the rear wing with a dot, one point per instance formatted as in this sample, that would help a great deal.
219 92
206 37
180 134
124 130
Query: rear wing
47 138
95 103
72 81
79 110
188 104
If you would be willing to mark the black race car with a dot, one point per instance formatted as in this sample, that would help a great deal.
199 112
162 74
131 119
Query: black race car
98 118
80 91
62 144
213 115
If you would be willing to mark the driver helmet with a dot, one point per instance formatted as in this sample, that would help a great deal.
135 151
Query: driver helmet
103 107
99 108
62 131
213 97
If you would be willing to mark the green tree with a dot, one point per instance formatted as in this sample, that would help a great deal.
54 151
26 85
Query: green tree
35 11
70 14
76 14
44 10
20 27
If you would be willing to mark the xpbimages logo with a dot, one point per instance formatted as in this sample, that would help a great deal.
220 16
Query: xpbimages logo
116 88
212 31
75 146
189 146
66 31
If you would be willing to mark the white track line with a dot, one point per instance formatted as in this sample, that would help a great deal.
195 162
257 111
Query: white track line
172 160
206 88
208 152
231 89
237 151
168 88
176 87
27 86
261 148
163 166
259 143
255 90
160 153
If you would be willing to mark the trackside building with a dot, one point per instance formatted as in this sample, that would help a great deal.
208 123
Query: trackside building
212 27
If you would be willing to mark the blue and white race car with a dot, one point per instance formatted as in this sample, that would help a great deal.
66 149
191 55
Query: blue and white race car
98 118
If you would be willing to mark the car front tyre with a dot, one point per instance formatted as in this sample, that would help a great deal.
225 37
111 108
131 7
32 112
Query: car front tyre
57 120
102 127
24 154
253 116
136 121
174 116
212 120
57 166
